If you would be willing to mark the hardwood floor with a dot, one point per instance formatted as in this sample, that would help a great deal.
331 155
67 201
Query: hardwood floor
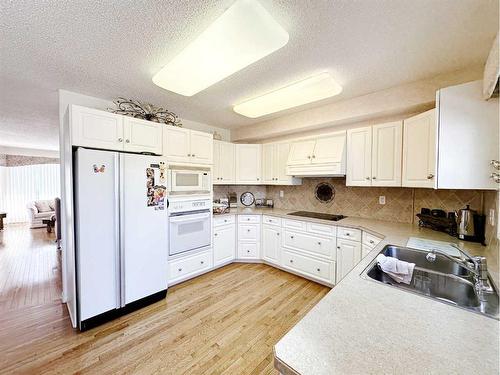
224 322
29 268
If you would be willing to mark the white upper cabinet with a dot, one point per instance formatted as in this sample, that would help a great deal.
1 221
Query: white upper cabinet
188 146
468 137
419 150
374 155
328 149
248 164
95 128
387 145
100 129
142 136
359 157
301 152
224 163
274 163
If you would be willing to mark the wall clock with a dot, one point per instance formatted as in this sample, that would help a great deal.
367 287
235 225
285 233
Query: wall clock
247 199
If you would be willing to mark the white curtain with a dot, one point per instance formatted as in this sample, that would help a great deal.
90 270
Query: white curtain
24 184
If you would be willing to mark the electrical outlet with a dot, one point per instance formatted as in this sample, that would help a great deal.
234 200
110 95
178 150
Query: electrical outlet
381 199
282 193
492 216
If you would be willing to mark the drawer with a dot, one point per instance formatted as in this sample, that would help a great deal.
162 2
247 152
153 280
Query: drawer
327 230
248 250
248 232
271 220
314 245
191 265
295 224
223 220
319 269
248 218
370 240
349 233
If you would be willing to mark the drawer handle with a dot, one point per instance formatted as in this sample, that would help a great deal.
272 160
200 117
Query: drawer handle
202 262
319 243
338 247
317 269
180 269
215 234
248 251
291 260
371 241
348 234
291 237
248 230
193 155
189 155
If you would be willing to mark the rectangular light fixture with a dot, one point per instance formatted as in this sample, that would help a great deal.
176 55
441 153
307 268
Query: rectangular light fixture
309 90
242 35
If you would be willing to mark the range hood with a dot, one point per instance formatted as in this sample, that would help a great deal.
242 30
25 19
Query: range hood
321 156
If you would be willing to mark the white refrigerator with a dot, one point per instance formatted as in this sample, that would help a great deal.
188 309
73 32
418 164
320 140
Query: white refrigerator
121 233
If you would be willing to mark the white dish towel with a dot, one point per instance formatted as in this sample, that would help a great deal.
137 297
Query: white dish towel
399 270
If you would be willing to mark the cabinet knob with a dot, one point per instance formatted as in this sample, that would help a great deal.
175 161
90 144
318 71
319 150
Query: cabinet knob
291 260
248 219
193 155
368 178
258 179
277 234
248 230
338 247
127 141
371 241
180 269
202 262
120 139
314 156
318 269
215 234
374 177
308 157
248 251
189 155
225 220
291 237
348 234
319 243
430 176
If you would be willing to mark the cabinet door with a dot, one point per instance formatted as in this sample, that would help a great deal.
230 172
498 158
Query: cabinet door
201 146
216 171
301 152
359 157
271 236
97 129
248 164
226 163
468 137
282 150
329 149
387 147
142 136
176 144
419 150
224 244
268 161
348 255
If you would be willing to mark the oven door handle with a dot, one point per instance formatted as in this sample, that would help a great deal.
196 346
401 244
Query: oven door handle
188 218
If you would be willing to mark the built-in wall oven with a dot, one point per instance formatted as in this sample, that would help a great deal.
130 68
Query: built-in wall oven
189 180
190 224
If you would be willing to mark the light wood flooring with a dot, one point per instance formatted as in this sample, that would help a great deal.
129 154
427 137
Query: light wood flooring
224 322
29 268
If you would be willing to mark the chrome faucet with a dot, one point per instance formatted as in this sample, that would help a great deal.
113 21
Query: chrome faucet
477 265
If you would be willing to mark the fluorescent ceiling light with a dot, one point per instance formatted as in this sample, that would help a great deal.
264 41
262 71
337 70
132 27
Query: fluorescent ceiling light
306 91
242 35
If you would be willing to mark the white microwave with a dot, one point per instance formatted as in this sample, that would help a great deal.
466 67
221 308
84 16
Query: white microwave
189 180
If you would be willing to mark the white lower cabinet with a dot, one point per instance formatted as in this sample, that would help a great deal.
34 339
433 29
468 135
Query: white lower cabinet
249 237
311 244
224 243
189 266
365 250
312 267
271 243
348 255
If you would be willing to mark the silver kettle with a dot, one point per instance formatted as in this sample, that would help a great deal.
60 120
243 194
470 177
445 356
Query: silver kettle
465 223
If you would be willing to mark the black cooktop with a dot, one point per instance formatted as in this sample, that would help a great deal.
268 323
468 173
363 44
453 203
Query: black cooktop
317 215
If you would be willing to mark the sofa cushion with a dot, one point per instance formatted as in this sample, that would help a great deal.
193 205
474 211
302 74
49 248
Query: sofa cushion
43 206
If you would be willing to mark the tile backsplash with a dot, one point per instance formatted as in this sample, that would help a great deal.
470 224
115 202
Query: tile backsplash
402 204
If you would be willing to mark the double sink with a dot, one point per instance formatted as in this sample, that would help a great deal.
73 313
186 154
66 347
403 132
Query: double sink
441 279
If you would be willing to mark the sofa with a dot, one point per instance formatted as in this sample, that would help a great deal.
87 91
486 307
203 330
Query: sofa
40 210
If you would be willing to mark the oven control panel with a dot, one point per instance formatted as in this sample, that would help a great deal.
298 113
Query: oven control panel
178 204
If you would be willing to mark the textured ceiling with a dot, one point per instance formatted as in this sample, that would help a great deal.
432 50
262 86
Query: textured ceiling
113 48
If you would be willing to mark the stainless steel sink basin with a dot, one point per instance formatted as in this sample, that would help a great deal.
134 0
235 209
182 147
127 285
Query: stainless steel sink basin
442 280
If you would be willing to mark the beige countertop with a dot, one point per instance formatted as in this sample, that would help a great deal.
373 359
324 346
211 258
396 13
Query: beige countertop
363 327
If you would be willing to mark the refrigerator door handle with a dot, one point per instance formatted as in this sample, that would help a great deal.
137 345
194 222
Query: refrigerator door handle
122 230
117 230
